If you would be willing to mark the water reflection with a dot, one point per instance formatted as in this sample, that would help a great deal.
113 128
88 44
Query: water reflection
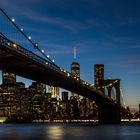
68 132
55 132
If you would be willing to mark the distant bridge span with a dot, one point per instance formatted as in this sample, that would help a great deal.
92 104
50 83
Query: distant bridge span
16 59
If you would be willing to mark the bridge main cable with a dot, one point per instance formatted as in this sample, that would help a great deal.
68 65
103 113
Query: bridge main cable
35 45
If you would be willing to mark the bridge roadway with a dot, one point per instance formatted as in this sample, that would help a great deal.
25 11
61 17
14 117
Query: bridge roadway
20 61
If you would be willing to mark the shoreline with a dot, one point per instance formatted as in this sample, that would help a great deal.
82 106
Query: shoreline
3 120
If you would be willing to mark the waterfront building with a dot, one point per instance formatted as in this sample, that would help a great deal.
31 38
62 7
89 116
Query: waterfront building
8 78
64 96
38 87
64 105
54 91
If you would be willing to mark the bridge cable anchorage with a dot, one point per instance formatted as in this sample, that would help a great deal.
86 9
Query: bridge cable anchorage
35 45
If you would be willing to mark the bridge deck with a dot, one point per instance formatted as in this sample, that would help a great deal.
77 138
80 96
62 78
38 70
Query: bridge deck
18 60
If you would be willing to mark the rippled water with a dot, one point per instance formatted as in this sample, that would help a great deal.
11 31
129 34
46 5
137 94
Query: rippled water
68 132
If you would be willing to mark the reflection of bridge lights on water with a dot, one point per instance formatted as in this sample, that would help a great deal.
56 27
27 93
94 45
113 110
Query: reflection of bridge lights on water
55 132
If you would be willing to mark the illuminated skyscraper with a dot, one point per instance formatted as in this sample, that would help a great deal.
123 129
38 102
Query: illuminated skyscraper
75 70
54 91
8 78
75 67
98 75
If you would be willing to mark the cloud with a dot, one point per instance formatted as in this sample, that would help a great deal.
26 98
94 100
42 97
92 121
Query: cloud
122 42
70 24
130 64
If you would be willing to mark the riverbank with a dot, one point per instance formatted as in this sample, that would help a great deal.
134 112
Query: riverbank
123 121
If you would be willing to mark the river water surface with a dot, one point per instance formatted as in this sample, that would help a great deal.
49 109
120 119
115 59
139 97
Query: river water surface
68 132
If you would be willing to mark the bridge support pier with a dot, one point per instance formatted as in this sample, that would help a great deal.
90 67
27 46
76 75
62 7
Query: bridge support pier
109 114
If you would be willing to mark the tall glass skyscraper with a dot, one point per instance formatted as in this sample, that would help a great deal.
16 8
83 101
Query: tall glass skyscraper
75 70
98 75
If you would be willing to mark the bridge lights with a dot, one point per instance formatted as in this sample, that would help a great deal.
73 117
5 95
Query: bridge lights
21 29
53 61
8 43
36 45
47 63
48 56
29 37
42 51
14 46
13 20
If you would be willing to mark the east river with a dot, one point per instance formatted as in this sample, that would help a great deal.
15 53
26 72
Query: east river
69 132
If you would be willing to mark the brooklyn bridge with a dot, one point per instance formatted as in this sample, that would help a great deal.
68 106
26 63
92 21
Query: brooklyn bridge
15 58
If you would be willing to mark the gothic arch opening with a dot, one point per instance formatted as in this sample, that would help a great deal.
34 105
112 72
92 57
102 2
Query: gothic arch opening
113 93
106 91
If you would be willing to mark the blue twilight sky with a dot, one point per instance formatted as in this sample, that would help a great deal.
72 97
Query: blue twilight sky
103 31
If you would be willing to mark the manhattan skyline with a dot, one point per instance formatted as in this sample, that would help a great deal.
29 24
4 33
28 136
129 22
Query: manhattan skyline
103 32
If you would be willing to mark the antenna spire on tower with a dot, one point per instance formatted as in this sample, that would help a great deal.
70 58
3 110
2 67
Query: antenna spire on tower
74 53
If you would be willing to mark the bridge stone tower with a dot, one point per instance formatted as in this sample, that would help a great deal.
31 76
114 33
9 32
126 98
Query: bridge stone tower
110 114
110 84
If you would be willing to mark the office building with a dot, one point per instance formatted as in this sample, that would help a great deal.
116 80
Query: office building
98 75
75 70
8 78
54 91
64 96
38 87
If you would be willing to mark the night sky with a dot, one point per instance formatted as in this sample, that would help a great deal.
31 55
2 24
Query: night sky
103 32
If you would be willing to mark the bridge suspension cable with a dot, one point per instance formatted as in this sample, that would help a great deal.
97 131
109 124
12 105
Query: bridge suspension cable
35 45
